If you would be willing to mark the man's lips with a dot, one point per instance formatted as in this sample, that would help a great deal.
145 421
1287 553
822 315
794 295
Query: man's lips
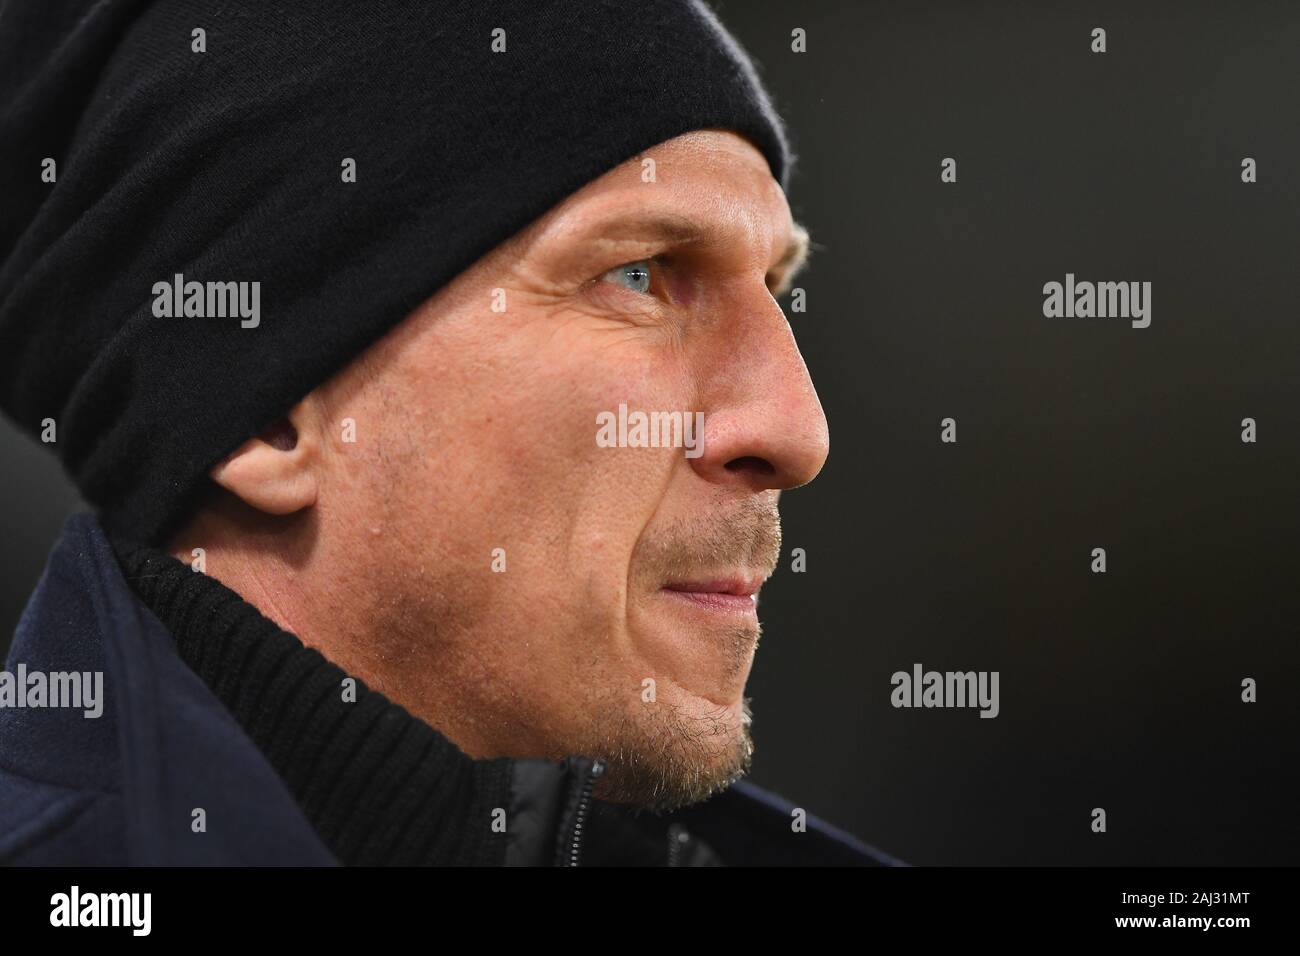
734 594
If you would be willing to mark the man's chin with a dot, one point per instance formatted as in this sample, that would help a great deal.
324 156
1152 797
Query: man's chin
674 760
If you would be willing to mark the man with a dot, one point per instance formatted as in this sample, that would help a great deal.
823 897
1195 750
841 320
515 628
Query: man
442 346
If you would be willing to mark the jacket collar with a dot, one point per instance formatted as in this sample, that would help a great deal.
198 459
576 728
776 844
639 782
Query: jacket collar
187 787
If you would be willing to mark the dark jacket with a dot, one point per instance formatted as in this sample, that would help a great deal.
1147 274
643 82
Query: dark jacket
126 788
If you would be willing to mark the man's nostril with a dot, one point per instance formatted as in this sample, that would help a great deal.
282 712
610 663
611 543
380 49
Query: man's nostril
281 435
752 463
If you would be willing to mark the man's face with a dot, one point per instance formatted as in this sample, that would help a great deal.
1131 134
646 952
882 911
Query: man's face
544 594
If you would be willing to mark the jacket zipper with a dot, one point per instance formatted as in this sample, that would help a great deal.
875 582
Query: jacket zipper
677 838
580 817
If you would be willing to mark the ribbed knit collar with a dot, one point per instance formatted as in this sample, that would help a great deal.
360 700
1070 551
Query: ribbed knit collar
380 786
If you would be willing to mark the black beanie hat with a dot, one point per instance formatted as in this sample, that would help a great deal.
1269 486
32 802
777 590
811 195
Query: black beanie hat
221 156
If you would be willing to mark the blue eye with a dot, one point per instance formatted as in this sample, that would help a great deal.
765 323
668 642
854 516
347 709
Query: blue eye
633 275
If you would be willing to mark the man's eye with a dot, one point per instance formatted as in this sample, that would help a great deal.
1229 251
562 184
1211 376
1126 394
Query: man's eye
633 275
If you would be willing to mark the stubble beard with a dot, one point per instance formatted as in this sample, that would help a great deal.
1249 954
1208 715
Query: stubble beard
665 758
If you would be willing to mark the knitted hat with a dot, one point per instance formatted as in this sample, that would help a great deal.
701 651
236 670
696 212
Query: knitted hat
350 158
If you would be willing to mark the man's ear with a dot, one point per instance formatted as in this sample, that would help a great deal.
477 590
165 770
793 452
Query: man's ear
276 472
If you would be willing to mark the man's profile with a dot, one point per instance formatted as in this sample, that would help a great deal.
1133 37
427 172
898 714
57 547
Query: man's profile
452 553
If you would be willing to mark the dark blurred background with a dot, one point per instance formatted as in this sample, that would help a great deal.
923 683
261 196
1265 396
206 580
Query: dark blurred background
924 301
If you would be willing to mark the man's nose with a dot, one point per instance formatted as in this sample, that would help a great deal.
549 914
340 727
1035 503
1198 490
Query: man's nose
764 427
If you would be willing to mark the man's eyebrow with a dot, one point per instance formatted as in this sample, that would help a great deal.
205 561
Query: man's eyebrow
794 259
660 227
